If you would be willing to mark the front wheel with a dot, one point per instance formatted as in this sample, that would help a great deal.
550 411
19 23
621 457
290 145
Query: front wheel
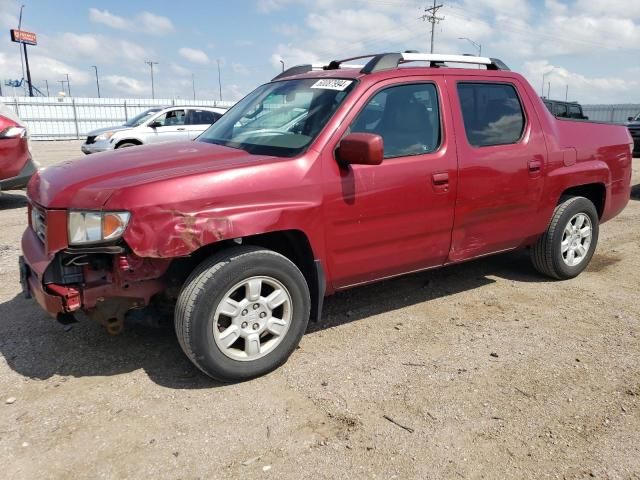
242 313
567 246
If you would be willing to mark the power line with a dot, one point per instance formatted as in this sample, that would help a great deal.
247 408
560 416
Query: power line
431 17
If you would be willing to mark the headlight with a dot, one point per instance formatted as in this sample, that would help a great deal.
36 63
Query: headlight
104 136
96 227
13 132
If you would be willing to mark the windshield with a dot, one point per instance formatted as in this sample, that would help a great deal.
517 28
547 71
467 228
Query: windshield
139 119
280 118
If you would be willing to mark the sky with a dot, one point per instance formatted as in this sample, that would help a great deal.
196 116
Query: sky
591 46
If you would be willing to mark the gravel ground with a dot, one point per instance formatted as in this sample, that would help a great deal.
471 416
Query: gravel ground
481 370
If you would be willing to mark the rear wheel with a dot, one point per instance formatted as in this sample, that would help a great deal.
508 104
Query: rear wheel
567 246
127 145
242 313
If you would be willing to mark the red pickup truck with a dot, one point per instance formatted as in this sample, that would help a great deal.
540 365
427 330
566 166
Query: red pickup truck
321 180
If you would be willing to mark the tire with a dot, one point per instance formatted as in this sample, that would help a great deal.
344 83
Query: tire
127 145
552 257
216 287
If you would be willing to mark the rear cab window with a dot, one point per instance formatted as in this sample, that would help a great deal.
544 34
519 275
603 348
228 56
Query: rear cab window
575 111
559 110
492 113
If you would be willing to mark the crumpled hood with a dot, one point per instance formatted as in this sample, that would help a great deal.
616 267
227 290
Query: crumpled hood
88 182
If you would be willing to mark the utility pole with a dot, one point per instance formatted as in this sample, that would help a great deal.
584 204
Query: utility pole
151 64
193 85
566 92
219 80
26 61
68 84
61 82
97 81
46 82
431 17
20 50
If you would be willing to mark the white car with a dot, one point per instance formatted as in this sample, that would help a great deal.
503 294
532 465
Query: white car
153 126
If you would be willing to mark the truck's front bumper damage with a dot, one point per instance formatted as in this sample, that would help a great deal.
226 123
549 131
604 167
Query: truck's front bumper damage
104 282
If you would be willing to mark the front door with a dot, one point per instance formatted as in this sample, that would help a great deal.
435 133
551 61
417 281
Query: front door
388 219
169 127
502 158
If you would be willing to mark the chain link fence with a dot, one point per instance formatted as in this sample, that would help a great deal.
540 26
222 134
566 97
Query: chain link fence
614 113
62 118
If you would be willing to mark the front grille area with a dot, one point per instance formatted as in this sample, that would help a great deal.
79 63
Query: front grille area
39 222
91 140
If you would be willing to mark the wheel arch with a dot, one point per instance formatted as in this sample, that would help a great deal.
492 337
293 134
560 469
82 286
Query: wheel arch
595 192
127 140
292 244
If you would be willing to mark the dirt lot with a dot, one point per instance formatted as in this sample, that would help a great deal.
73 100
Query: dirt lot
495 372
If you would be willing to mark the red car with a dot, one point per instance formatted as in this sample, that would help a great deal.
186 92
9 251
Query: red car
16 164
398 166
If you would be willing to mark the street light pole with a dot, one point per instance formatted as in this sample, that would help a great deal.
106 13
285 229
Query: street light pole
282 62
68 84
193 85
543 77
151 64
474 43
219 80
97 81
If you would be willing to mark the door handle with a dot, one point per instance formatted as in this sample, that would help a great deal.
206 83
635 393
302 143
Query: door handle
535 166
440 179
181 129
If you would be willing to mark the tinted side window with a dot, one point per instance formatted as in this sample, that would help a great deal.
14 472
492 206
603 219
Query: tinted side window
407 118
560 109
575 111
202 117
492 113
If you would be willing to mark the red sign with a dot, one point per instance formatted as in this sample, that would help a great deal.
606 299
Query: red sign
20 36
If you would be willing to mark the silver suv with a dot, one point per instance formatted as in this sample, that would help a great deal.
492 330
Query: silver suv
153 126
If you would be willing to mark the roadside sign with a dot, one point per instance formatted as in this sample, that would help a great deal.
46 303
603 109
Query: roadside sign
22 36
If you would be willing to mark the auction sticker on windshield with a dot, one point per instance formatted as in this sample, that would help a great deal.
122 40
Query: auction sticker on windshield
332 84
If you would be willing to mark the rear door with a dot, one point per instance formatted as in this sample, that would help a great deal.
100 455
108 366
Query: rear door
199 120
393 218
502 158
169 127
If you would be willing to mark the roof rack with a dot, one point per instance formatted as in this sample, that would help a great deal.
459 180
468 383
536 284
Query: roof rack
389 61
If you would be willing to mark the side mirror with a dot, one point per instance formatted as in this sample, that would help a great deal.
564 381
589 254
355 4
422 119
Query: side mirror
630 119
155 125
361 149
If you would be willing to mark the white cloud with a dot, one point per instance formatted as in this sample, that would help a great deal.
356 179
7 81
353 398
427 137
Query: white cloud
180 70
268 6
240 69
588 89
107 18
194 55
145 21
155 24
126 85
